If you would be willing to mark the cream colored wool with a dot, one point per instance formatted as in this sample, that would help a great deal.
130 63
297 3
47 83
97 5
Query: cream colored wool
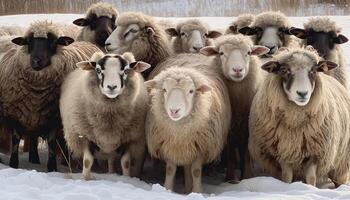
88 116
281 131
202 134
11 30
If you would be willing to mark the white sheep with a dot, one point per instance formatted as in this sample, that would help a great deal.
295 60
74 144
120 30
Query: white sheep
237 57
188 121
324 35
103 108
299 120
98 24
30 78
242 20
141 35
191 35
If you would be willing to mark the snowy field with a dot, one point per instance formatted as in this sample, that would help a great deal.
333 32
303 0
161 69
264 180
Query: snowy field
29 184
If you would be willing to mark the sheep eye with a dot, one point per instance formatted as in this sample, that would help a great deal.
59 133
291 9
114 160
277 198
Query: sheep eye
98 70
133 30
221 53
205 35
191 91
182 34
164 90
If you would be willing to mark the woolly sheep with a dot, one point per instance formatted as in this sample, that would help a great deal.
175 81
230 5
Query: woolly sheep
98 24
270 29
30 106
141 35
299 120
243 20
103 107
324 35
11 30
237 57
191 35
188 120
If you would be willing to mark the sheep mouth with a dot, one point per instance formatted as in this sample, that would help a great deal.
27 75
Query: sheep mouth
108 49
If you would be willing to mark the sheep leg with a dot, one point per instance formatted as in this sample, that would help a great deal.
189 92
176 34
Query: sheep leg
88 160
188 179
125 163
287 172
248 168
170 176
137 154
231 162
111 168
16 138
33 150
196 170
310 174
51 163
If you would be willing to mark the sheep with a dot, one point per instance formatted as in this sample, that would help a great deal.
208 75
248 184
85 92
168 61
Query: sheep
324 35
103 107
243 20
270 29
37 66
237 57
11 30
98 24
191 35
188 120
141 35
299 120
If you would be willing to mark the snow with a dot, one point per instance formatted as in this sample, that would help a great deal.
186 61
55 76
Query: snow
31 184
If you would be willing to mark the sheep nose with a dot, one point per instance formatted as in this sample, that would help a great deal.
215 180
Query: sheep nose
302 94
174 111
112 87
237 70
36 60
197 48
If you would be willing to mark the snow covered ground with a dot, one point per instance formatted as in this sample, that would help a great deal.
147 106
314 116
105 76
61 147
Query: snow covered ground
29 184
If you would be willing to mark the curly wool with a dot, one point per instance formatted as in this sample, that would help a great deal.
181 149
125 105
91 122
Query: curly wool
320 129
102 9
242 20
322 24
271 18
240 41
11 30
202 134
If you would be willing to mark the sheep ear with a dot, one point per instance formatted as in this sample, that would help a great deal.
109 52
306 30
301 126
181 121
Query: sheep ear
214 34
271 67
340 39
233 28
20 41
86 65
298 32
81 22
247 31
203 88
258 50
172 32
65 41
325 65
209 50
139 66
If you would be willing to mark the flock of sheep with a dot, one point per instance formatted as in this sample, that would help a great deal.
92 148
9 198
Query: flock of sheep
262 94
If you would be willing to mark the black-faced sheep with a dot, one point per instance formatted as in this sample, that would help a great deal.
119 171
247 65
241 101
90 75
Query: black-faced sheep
103 107
243 20
237 57
142 36
191 35
299 120
270 29
98 24
30 79
188 120
324 35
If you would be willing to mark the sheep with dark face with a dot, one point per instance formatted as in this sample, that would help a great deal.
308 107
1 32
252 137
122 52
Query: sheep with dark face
103 107
324 35
243 20
299 120
142 36
30 107
191 35
98 24
270 29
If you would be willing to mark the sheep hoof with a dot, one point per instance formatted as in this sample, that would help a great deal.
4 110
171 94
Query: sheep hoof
52 165
89 177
